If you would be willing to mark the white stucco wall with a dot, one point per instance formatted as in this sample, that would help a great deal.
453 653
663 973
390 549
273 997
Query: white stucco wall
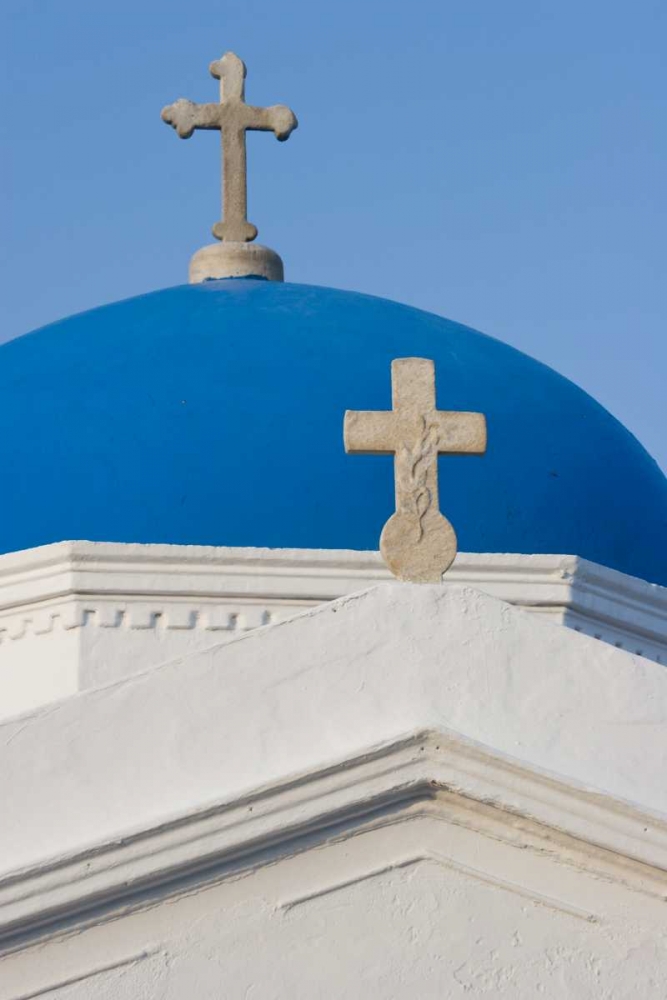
76 615
412 791
325 685
418 908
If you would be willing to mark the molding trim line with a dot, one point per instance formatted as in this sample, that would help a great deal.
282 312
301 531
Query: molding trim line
430 772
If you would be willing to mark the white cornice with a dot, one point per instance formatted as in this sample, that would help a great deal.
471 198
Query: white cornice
438 772
39 578
75 615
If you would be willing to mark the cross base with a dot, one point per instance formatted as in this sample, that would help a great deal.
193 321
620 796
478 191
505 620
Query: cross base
235 260
418 550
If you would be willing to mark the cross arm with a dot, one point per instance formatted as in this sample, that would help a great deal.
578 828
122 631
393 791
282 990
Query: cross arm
278 119
459 431
370 432
185 116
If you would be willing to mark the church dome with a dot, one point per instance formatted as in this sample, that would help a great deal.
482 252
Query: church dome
213 414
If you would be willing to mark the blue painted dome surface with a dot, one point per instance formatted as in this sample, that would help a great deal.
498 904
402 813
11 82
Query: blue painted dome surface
213 414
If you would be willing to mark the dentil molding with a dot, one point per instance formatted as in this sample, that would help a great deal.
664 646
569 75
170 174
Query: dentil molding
76 615
71 585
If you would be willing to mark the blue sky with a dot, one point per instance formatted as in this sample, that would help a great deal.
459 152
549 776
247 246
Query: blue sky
500 162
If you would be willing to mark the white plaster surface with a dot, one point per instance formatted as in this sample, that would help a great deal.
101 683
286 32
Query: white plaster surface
411 791
78 614
418 908
324 686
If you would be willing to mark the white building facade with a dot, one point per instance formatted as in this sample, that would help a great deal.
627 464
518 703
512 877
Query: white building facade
407 791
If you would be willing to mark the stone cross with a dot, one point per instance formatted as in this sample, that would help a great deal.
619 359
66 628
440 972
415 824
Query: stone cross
233 117
417 542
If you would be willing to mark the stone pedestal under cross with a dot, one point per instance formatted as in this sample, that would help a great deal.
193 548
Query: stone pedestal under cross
418 543
233 118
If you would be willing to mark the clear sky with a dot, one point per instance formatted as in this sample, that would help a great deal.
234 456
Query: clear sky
501 162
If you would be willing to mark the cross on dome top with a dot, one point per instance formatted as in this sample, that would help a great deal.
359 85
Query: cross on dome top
233 118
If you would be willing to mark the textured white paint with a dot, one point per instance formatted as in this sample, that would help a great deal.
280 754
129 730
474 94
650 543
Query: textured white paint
327 685
428 774
79 614
419 908
412 791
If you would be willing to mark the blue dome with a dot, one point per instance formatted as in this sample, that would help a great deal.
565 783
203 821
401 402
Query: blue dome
213 414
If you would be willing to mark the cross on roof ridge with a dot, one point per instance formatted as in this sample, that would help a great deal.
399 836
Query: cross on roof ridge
417 543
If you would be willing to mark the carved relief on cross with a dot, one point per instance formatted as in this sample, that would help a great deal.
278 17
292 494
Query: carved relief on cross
233 117
418 543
